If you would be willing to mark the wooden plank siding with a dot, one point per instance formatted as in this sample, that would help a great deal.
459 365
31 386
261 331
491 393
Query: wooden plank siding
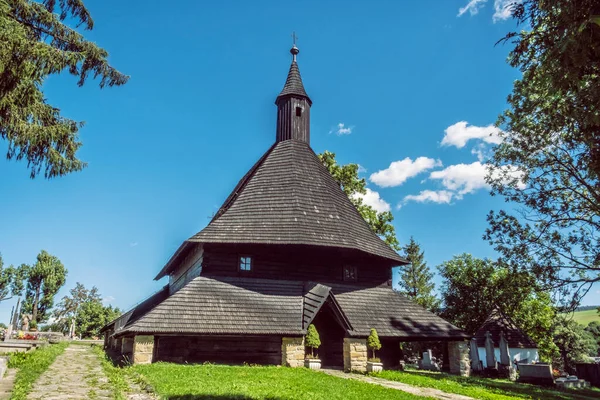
294 263
219 349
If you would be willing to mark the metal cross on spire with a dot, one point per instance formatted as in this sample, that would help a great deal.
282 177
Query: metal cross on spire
294 50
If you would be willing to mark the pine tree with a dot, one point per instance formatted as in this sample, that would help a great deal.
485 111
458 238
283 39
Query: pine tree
373 342
35 41
312 340
415 278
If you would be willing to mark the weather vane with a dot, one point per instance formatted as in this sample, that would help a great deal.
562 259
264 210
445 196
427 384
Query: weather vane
294 37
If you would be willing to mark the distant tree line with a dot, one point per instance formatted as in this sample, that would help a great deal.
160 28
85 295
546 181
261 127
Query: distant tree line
79 314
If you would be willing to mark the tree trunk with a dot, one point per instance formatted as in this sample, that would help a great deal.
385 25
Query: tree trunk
34 309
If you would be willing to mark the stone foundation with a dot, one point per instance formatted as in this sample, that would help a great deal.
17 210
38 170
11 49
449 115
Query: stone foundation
143 349
458 357
292 352
355 355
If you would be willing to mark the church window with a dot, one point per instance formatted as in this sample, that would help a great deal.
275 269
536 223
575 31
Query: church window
350 273
298 111
245 263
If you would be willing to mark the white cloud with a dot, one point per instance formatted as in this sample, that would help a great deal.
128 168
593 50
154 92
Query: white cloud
472 7
399 171
361 169
482 152
462 178
341 129
460 133
373 199
108 299
467 178
502 8
431 196
133 244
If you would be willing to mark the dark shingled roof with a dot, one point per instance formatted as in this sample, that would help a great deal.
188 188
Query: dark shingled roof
289 197
228 306
391 313
293 84
138 310
498 322
237 305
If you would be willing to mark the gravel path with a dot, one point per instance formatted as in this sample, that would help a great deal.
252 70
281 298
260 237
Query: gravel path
418 391
77 374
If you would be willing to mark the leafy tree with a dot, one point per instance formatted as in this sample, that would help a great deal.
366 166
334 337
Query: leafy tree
11 280
92 316
67 309
44 279
35 42
312 340
593 329
416 278
574 344
474 287
354 187
548 163
373 342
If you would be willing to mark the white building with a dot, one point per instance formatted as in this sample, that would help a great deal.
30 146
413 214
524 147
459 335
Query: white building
521 348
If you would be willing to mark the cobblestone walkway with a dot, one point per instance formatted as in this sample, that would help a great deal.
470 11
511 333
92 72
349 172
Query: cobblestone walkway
418 391
76 374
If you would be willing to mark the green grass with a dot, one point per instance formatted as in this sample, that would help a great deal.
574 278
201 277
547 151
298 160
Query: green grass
31 365
220 382
587 316
482 388
116 377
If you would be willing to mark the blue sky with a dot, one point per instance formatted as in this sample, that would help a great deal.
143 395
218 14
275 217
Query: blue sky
402 88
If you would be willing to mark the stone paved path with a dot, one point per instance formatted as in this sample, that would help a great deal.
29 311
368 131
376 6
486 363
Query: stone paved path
418 391
76 374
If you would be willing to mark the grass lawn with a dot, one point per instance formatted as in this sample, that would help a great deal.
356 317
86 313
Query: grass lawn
31 365
220 382
482 388
587 316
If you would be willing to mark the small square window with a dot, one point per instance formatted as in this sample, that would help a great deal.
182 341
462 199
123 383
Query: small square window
350 273
245 263
298 111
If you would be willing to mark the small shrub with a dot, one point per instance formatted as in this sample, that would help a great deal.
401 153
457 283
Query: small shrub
312 339
373 343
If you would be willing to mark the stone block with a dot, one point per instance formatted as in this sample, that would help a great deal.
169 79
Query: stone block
459 359
292 351
355 354
143 349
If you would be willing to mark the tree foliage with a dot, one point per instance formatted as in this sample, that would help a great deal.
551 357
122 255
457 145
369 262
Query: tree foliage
416 278
474 287
35 42
548 163
355 187
92 316
373 342
66 310
44 279
575 344
593 329
11 280
312 340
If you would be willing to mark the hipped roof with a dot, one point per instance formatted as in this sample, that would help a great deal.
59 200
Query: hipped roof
498 322
289 197
237 305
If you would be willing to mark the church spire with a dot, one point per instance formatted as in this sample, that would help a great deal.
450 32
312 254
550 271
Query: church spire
293 105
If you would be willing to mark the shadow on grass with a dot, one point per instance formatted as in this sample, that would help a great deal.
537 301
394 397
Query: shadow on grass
513 388
216 397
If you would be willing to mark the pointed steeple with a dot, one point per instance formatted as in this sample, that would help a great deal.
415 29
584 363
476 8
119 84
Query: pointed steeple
293 106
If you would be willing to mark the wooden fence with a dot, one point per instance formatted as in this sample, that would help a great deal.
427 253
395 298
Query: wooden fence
589 372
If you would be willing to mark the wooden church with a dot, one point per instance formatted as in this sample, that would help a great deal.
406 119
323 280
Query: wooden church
286 249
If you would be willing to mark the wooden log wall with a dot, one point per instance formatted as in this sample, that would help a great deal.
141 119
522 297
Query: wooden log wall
219 349
294 263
